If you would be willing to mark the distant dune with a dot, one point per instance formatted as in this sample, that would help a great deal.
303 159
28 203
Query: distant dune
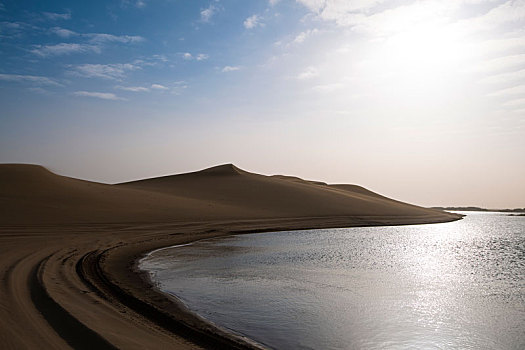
515 210
68 248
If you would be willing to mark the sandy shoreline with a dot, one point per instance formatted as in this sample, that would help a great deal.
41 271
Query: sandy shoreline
180 313
198 322
85 277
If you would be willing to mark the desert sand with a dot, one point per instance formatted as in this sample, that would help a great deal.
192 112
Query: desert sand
68 248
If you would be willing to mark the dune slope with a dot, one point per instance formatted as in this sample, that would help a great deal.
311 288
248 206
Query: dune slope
277 196
32 194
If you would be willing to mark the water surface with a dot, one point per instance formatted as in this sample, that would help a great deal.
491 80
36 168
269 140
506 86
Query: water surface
458 285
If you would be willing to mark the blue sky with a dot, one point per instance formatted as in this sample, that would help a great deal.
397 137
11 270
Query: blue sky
421 100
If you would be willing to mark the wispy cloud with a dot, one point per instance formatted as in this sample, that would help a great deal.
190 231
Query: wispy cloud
501 63
341 12
62 32
135 3
515 90
482 38
505 77
39 90
159 87
140 4
198 57
368 16
57 16
309 73
500 46
507 12
40 80
161 58
252 22
515 103
226 69
207 13
13 29
202 57
94 42
109 38
101 95
132 88
327 88
301 37
11 25
63 49
99 38
104 71
178 87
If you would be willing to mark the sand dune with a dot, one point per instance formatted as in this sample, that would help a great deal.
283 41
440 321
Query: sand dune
67 248
32 194
275 196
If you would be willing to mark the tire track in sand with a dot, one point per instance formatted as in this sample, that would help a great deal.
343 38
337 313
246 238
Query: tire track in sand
76 334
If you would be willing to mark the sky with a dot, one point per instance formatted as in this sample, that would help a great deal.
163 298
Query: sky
422 101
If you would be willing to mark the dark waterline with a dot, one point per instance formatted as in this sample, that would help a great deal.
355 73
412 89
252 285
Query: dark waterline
458 285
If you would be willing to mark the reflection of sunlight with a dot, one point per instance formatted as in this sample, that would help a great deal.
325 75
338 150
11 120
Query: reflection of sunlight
431 262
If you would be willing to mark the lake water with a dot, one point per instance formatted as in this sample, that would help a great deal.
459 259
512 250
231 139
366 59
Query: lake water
458 285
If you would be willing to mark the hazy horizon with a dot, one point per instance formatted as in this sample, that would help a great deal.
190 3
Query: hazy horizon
421 101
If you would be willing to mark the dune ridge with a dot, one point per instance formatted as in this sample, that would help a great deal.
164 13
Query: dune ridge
276 196
69 247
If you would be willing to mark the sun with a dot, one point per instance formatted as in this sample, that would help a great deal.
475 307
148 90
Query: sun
424 48
424 59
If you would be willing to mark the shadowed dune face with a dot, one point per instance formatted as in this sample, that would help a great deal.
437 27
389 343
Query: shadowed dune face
32 194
